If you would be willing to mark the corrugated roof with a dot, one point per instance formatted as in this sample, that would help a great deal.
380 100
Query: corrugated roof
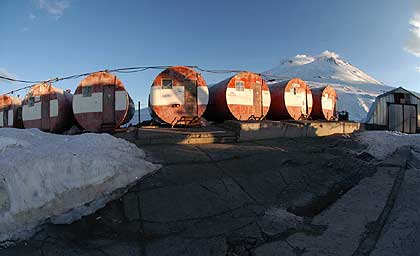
415 94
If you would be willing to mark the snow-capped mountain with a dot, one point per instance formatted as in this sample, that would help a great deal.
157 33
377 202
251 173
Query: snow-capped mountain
356 89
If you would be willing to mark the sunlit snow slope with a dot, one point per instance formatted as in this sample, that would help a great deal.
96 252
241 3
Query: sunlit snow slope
356 89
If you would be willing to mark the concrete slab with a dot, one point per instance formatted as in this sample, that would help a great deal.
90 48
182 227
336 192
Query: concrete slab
348 220
160 136
248 131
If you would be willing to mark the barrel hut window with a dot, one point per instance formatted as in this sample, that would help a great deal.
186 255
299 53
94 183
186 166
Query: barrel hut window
167 83
239 86
31 102
294 91
87 91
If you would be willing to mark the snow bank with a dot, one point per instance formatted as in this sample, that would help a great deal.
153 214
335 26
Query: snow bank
57 178
383 143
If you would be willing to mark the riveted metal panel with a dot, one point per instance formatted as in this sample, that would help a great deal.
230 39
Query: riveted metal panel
184 95
39 115
243 96
291 99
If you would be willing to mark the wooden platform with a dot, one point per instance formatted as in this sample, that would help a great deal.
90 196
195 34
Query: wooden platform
248 131
235 131
155 135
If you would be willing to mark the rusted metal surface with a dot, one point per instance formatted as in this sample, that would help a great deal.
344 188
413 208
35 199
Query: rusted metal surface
324 103
241 97
291 99
101 103
178 93
47 108
10 112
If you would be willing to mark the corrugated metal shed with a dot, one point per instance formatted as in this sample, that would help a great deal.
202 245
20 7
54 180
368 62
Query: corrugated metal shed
383 111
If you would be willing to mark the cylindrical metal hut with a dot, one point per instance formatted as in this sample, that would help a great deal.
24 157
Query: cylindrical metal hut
10 112
47 108
242 97
324 103
178 93
291 99
101 103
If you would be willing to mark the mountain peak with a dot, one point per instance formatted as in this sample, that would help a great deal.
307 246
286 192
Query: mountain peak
327 67
329 54
356 90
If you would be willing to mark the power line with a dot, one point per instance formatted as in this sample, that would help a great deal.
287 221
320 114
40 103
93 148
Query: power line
275 77
19 81
125 70
219 71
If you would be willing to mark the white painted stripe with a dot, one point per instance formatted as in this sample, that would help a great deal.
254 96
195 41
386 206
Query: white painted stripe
121 100
165 97
296 100
202 95
1 118
310 101
31 113
327 103
266 98
10 117
53 108
87 104
245 97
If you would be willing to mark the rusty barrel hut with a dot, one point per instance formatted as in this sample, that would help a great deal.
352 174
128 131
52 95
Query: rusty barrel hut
10 112
242 97
101 103
178 94
291 99
324 103
47 108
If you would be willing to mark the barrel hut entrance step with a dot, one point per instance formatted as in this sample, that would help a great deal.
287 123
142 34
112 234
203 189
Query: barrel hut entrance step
291 99
178 96
101 103
396 110
324 103
47 108
244 96
10 112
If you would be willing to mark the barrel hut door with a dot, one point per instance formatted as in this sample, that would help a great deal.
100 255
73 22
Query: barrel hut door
257 100
45 113
5 117
410 120
190 98
108 116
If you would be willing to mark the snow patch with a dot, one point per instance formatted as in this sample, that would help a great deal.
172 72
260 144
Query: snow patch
329 54
61 178
277 220
381 144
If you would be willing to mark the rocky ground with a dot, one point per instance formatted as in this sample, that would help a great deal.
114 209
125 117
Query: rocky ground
303 196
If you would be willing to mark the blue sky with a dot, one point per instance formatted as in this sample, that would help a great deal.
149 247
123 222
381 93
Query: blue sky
41 39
